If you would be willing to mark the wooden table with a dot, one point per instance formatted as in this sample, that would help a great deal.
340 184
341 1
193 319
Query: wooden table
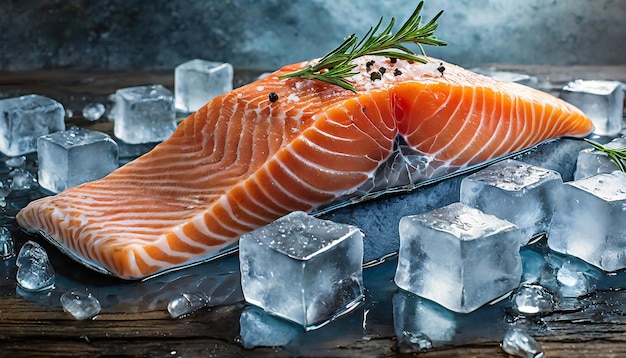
34 327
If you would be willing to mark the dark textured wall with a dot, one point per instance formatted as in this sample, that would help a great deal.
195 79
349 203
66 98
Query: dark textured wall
120 34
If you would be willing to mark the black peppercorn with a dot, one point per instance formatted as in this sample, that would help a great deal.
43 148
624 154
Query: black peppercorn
397 72
273 97
393 60
375 76
382 70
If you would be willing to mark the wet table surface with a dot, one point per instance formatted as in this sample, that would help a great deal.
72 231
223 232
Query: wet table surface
135 321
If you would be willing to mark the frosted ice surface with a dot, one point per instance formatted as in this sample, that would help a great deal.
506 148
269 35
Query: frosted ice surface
198 81
186 303
81 304
7 245
532 299
589 220
520 193
303 269
16 162
24 119
260 329
520 344
35 272
591 161
413 315
93 111
442 257
144 114
568 276
601 101
72 157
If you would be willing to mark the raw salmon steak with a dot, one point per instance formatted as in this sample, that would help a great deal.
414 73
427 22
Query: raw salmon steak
275 146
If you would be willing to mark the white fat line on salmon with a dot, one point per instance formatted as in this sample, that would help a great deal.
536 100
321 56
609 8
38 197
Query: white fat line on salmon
336 193
180 234
317 147
224 202
290 193
199 222
270 196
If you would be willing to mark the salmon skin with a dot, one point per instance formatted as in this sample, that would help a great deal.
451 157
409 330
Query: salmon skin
275 146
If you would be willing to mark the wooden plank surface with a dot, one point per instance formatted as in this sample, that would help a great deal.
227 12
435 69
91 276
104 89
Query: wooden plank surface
30 328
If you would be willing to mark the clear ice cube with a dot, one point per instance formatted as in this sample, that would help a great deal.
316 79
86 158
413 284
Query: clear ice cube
93 111
81 304
520 193
260 329
24 119
35 272
7 245
198 81
601 101
442 257
413 315
591 161
72 157
144 114
303 269
520 344
186 303
590 221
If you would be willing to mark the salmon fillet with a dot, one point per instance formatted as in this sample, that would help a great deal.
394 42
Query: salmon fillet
242 161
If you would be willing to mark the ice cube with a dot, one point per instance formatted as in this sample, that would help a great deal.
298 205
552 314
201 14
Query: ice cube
303 269
7 244
35 272
93 111
520 193
601 101
144 114
414 315
532 265
519 344
18 162
72 157
591 161
590 220
24 119
442 257
507 76
186 303
81 304
22 179
531 299
568 276
198 81
260 329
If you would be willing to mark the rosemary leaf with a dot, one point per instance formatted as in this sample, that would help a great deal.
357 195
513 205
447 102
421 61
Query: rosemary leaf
336 66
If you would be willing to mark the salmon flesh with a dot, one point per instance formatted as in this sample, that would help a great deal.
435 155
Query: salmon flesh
275 146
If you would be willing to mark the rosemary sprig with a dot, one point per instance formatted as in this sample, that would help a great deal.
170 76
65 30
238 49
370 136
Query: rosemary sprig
337 64
617 156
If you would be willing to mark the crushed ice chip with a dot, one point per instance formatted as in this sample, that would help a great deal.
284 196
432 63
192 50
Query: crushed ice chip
144 114
442 257
590 220
7 245
518 192
24 119
81 304
592 161
198 81
72 157
303 269
601 101
35 272
186 303
520 344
